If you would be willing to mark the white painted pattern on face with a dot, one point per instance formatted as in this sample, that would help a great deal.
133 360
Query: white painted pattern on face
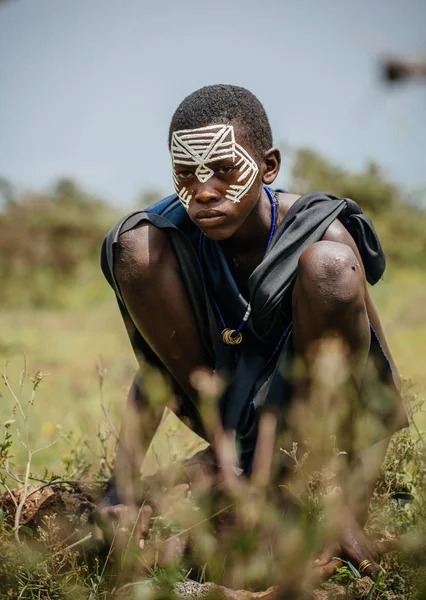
202 147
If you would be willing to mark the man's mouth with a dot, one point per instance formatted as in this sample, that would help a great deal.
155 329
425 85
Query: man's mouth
209 217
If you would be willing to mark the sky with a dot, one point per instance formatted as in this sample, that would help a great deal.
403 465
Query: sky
88 87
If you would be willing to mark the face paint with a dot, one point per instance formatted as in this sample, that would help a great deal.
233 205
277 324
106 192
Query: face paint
203 146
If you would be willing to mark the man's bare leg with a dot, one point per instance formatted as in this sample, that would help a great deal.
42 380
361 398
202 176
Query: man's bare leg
329 300
151 285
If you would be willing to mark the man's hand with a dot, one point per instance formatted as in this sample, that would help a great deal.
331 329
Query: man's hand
118 526
353 546
121 526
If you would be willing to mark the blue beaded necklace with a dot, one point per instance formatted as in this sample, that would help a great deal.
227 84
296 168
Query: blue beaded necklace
234 336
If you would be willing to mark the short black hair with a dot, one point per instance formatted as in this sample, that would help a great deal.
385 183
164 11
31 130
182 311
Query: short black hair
225 104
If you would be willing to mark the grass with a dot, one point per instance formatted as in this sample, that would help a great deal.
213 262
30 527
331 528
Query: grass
67 346
401 301
50 245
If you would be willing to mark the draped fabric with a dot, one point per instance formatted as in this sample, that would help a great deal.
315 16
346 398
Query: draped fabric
209 281
306 222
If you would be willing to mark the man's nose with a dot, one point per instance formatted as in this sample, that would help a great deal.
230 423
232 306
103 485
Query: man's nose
206 192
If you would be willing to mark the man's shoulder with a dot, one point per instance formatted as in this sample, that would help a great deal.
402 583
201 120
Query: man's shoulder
132 230
286 201
168 210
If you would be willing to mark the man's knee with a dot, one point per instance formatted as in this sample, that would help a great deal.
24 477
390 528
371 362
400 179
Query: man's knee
330 273
142 254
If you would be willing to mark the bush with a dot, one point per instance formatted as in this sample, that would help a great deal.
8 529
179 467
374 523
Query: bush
47 240
401 227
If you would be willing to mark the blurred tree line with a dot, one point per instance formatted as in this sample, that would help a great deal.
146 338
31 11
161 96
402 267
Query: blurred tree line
50 242
396 215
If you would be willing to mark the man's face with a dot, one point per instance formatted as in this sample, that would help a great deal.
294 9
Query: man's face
213 172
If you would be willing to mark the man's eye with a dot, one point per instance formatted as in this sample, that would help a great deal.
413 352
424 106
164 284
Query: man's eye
225 169
184 174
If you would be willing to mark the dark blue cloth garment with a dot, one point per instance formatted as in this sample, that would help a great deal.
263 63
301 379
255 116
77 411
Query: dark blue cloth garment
257 367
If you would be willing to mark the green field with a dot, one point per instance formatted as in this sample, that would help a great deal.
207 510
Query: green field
67 346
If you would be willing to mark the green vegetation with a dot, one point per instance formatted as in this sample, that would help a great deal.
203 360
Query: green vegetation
49 249
59 313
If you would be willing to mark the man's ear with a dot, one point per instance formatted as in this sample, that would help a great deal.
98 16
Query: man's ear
272 163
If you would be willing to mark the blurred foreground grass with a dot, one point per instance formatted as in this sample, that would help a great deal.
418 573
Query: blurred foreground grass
67 346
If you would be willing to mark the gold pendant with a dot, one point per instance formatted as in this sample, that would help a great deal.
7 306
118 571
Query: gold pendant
229 339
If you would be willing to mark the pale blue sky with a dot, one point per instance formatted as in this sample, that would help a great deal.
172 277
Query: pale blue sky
87 87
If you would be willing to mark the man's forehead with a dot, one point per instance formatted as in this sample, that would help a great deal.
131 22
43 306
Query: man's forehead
204 144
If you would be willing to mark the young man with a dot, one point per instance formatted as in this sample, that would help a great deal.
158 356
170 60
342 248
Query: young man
227 275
